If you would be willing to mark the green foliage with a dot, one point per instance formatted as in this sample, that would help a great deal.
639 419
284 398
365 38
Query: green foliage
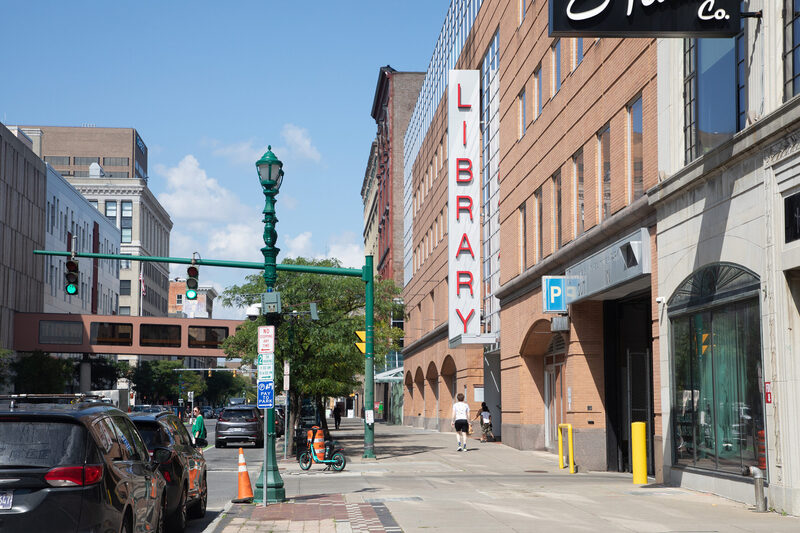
223 385
38 373
105 373
156 381
5 366
324 358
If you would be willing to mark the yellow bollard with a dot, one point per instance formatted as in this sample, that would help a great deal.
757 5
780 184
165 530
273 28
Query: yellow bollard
561 447
639 452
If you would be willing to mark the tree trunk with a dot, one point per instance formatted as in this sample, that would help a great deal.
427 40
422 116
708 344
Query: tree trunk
294 411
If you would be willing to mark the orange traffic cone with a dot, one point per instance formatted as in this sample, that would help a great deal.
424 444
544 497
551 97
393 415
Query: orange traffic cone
245 489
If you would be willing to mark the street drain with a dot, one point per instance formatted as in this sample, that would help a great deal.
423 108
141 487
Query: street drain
536 471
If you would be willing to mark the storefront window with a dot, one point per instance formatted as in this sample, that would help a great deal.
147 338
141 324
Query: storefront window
717 410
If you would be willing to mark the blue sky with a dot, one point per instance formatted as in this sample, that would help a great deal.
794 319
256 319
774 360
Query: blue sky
208 85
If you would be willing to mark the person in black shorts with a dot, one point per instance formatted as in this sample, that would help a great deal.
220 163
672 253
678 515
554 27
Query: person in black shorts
461 421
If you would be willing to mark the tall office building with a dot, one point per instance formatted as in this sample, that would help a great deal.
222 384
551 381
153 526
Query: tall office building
109 167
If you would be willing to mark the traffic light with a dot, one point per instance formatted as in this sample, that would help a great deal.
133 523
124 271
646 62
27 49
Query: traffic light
191 282
234 372
363 344
705 342
209 372
72 277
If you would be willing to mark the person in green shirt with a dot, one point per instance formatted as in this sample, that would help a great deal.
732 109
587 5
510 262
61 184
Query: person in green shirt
199 426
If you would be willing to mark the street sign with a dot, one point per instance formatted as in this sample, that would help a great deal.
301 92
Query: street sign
266 395
190 395
266 339
265 359
266 372
558 292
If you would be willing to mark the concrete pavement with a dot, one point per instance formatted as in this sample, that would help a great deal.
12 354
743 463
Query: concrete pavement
419 482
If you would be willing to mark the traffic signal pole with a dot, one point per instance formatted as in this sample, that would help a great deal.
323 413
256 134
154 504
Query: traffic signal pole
369 360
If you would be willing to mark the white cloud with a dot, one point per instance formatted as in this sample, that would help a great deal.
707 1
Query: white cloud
346 248
299 143
299 246
192 195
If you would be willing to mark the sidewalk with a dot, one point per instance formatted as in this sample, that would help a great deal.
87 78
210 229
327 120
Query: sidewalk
419 482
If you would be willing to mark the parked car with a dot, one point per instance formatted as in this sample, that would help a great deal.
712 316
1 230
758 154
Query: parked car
237 424
236 401
208 412
70 463
184 472
145 408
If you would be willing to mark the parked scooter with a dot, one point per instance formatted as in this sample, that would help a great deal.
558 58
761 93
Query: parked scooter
320 451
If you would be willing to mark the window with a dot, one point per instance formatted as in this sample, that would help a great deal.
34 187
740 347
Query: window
111 333
127 208
116 161
718 412
715 103
791 49
555 55
537 76
160 335
523 239
538 200
111 209
557 210
85 161
521 112
179 299
604 171
124 264
578 52
93 203
635 149
124 310
577 175
57 160
116 174
126 234
125 287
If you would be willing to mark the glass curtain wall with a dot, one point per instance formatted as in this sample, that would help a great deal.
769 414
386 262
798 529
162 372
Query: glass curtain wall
717 410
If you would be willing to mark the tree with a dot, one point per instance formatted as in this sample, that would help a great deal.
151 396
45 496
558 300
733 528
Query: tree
105 373
323 356
38 373
157 381
223 385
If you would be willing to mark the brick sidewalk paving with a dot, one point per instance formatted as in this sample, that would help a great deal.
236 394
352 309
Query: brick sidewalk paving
323 514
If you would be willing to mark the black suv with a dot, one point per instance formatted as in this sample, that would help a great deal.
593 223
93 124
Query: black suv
239 423
185 471
73 463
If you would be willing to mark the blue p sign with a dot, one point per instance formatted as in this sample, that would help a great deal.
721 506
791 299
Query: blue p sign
553 294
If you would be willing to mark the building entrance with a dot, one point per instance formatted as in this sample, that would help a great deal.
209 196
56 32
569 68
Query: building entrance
628 378
555 406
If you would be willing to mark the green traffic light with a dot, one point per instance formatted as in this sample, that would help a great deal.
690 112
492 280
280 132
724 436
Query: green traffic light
191 294
72 289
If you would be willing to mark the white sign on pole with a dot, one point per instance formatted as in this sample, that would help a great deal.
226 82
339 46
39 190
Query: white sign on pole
266 372
190 395
266 339
369 416
265 359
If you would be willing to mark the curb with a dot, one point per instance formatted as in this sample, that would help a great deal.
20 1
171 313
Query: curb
210 528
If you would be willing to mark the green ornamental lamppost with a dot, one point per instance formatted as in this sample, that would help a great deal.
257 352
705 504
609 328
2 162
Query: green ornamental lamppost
270 175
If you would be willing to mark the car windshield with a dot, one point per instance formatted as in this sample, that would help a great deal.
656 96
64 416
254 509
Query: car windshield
153 434
237 414
32 443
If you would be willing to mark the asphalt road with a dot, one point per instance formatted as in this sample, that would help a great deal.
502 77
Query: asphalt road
223 474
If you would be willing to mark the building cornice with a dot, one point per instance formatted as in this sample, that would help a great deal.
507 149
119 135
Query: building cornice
767 131
435 335
639 214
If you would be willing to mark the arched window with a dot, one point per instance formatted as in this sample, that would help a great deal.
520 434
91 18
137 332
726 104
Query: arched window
717 408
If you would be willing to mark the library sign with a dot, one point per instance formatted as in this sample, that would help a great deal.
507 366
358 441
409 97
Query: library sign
464 207
644 18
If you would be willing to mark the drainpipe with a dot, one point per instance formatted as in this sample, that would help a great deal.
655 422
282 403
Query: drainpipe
758 484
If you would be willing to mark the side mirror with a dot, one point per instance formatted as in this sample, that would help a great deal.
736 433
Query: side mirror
162 455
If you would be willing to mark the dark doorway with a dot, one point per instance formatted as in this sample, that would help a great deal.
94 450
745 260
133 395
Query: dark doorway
627 334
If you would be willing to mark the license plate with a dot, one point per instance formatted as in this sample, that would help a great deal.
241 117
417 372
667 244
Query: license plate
238 429
6 497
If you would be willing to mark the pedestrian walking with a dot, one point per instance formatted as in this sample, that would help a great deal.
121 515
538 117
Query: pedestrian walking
485 417
461 421
337 416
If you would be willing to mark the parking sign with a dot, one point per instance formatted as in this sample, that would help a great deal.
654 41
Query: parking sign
266 395
553 294
266 339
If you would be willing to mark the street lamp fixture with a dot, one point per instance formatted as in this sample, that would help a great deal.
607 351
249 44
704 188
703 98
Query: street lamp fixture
269 486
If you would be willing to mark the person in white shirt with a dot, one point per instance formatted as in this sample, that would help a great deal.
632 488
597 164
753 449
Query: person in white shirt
461 421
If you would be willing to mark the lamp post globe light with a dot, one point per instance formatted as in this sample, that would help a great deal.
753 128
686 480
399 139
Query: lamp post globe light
269 486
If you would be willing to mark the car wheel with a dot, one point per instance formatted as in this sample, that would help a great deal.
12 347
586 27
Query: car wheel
339 461
305 461
178 518
126 525
198 510
259 443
